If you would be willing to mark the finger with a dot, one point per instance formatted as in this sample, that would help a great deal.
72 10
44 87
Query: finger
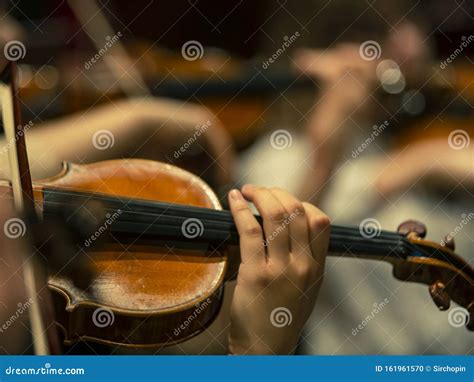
250 231
273 214
298 226
319 232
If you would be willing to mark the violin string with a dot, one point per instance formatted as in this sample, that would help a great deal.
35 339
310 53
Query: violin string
215 234
204 214
218 215
224 226
163 225
347 233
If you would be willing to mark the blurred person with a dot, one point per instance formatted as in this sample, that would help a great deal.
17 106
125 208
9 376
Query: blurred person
390 185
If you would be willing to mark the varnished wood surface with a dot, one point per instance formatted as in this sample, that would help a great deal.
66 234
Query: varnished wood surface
151 292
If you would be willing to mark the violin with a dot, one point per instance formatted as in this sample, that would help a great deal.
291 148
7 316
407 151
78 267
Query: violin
163 261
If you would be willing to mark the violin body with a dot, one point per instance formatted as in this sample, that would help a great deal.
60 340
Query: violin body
140 296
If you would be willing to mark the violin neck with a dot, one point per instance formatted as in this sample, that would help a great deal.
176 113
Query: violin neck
197 227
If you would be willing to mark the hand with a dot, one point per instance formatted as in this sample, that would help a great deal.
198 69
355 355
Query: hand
278 282
343 73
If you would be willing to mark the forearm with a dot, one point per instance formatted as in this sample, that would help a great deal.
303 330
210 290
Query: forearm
81 137
330 133
431 161
455 166
150 128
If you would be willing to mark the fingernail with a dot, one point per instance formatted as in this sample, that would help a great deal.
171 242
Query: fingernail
235 194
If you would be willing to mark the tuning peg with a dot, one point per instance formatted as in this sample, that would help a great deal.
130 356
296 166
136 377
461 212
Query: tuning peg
439 295
414 226
470 318
448 241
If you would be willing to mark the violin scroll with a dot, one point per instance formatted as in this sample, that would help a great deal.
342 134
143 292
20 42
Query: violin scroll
448 276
